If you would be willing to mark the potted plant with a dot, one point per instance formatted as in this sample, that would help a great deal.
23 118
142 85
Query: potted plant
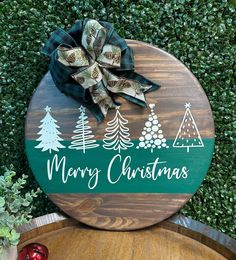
15 209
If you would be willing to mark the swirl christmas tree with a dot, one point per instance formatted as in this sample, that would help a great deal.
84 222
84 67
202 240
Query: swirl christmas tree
83 139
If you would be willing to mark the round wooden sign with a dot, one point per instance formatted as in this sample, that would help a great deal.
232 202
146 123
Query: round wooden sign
137 167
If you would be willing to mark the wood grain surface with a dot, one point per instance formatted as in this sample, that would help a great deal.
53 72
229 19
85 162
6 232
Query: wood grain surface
120 211
176 238
178 86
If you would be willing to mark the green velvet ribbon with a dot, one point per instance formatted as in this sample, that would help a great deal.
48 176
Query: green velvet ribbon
93 64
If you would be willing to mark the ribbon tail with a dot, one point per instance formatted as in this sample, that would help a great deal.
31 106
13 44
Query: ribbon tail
96 111
102 98
132 99
130 89
79 94
132 75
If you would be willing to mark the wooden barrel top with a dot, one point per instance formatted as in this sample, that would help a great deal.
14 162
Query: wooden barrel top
129 210
176 238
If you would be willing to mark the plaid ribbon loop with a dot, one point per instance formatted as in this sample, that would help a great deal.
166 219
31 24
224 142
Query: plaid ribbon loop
92 63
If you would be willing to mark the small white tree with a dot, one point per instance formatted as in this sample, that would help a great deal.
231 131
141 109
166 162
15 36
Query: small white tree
152 135
83 138
188 134
49 135
117 134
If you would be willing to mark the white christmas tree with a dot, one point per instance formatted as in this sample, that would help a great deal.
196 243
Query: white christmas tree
188 134
152 135
117 134
49 135
83 139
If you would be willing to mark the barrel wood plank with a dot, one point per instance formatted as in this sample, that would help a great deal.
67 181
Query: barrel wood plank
176 238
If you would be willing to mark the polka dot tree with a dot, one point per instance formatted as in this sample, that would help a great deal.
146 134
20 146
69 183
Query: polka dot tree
152 135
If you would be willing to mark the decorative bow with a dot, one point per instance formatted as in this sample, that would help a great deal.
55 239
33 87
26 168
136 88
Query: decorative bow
92 63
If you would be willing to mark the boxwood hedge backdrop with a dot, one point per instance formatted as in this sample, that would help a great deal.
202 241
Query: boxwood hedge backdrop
199 33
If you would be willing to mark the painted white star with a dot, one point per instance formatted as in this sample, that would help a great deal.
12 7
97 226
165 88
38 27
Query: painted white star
187 105
47 109
82 109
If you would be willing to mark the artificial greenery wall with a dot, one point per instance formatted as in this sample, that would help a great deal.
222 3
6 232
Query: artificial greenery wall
199 33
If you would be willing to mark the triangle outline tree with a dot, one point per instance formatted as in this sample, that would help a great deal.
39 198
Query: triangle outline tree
117 134
152 135
49 134
187 124
83 138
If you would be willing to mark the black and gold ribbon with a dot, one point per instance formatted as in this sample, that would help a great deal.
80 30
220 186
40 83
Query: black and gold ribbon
95 57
